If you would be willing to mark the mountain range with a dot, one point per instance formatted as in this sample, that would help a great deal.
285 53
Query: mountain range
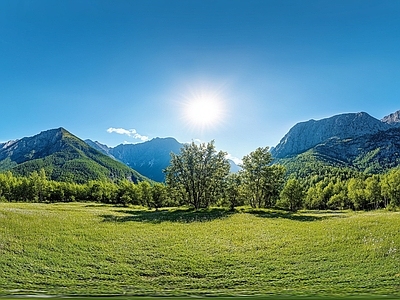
65 157
148 158
354 140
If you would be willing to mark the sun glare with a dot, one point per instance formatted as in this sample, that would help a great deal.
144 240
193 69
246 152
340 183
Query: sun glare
203 107
203 112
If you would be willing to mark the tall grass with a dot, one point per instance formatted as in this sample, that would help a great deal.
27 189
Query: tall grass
90 249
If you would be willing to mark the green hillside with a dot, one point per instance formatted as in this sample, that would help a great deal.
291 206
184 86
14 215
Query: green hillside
89 249
310 164
64 157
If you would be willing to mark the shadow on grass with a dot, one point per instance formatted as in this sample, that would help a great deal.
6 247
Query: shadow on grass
97 205
295 216
179 215
205 215
285 215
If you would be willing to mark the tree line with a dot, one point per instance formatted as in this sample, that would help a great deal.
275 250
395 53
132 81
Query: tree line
37 188
262 184
199 177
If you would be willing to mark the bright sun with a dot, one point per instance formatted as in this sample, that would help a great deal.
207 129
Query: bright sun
203 107
203 112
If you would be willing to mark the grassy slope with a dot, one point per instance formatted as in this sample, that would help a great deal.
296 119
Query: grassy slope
73 161
94 249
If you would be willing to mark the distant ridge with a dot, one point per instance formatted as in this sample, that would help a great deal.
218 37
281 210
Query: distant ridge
149 158
63 156
100 147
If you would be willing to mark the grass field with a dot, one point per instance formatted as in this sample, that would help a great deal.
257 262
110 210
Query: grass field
91 249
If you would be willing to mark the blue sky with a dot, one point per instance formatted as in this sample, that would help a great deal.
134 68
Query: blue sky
121 71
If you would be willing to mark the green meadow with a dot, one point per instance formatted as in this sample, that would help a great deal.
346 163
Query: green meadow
92 249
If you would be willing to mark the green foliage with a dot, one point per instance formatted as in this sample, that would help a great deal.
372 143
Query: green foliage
128 193
198 172
391 187
367 161
37 188
199 177
362 192
7 164
337 185
292 195
234 192
159 196
373 192
309 164
320 195
262 181
356 193
146 193
338 198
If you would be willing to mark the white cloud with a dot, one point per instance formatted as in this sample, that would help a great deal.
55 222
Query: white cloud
129 132
236 160
121 131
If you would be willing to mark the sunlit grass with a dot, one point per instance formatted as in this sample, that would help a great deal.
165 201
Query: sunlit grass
89 249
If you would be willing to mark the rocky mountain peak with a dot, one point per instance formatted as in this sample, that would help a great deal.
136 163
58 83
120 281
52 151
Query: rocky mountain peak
392 119
35 146
306 135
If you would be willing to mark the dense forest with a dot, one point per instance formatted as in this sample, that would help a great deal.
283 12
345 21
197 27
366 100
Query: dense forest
199 177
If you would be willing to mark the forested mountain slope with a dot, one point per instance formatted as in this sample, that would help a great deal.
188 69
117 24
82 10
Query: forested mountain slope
63 156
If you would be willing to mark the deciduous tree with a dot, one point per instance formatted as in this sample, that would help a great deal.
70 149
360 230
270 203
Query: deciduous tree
292 195
199 171
233 195
263 181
